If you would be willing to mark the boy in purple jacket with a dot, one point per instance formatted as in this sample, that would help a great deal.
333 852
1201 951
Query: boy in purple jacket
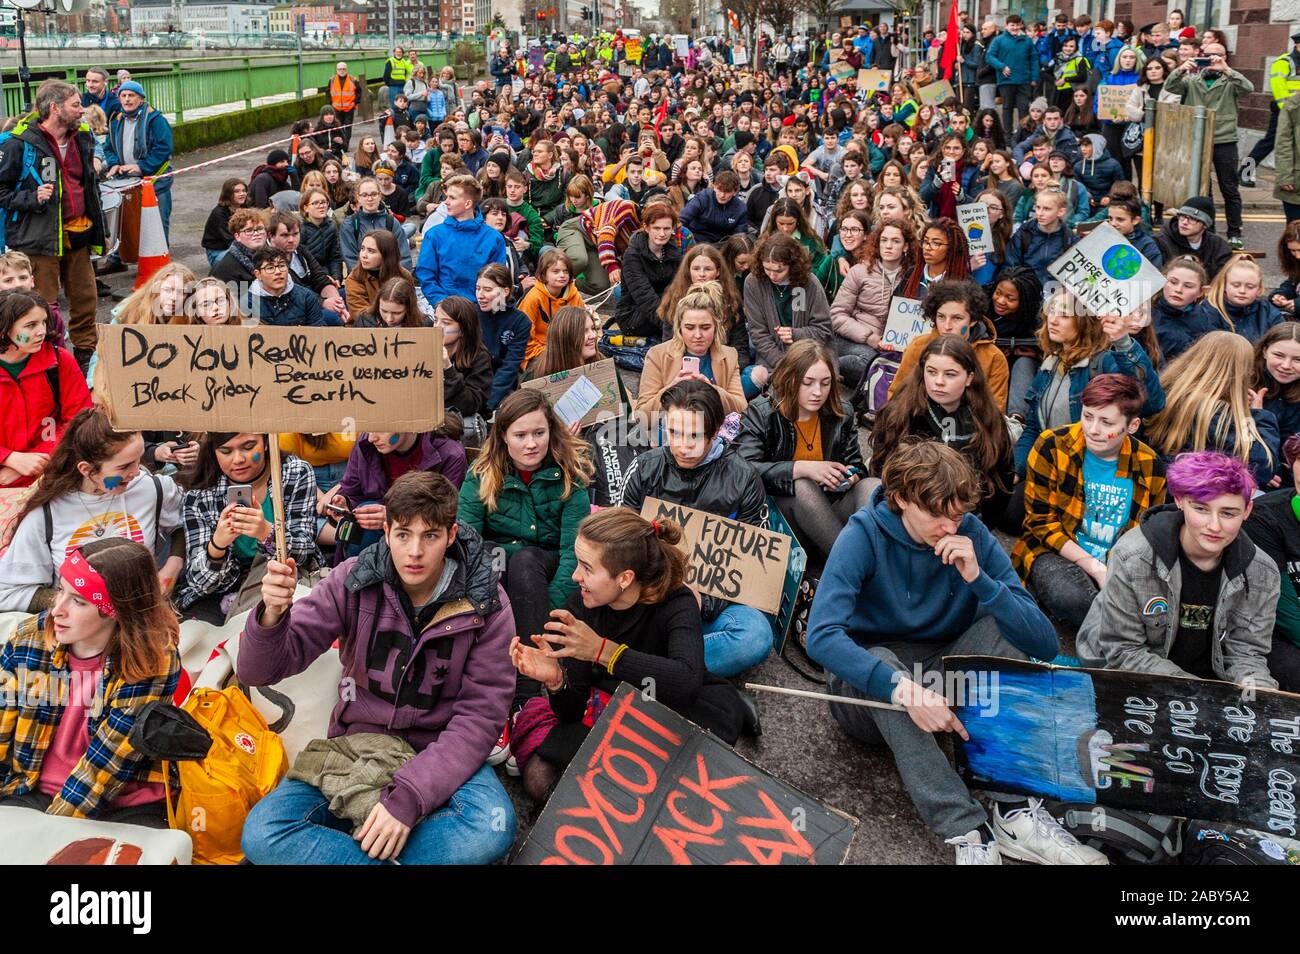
424 630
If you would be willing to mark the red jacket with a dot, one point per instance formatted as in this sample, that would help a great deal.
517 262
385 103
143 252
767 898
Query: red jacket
27 404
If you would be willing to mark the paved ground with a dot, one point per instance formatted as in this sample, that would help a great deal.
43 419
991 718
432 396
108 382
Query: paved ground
800 743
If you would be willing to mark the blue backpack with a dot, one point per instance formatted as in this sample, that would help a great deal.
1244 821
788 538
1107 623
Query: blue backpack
28 169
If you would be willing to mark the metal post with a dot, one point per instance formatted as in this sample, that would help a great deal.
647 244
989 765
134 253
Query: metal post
24 74
299 26
248 82
179 88
1198 151
392 25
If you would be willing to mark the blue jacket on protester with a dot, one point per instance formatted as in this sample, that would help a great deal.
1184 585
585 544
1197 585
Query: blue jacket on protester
881 586
452 254
1142 239
1017 52
109 104
1125 356
1288 420
298 306
1036 249
505 336
153 144
1101 171
1178 328
712 222
1253 320
1104 58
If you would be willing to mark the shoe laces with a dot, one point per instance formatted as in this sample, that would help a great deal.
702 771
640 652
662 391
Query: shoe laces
970 849
1045 824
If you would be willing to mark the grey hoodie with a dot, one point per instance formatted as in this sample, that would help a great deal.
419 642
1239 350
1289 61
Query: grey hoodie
1133 621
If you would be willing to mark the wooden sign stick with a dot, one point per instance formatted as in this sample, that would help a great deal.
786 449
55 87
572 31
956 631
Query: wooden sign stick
804 693
277 497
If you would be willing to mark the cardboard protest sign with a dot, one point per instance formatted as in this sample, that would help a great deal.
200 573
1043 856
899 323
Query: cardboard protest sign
649 788
726 558
841 72
846 21
1194 748
936 93
625 68
903 324
681 44
835 54
1106 272
1112 102
973 217
603 375
633 50
874 81
739 56
794 573
268 379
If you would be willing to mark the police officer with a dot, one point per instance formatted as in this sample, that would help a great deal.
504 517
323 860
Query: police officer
1283 80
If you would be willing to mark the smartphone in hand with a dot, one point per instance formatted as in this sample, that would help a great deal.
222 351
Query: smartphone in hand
691 364
239 495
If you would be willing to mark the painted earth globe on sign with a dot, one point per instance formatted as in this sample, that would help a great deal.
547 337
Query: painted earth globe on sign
1121 262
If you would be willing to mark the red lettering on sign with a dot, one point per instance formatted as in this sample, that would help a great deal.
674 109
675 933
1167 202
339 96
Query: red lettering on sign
675 841
767 852
705 788
562 836
605 753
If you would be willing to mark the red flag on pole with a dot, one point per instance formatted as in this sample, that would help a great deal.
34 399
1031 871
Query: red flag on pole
948 56
661 114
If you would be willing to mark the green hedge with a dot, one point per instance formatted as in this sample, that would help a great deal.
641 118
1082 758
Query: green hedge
228 127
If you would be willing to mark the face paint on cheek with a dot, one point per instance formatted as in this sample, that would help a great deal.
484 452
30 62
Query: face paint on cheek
22 338
257 457
395 440
112 483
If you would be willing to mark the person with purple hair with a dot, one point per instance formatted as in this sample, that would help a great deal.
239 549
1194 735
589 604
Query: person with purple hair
1186 592
1274 527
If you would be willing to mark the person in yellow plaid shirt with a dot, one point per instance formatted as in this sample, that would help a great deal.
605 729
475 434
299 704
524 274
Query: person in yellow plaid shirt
1085 485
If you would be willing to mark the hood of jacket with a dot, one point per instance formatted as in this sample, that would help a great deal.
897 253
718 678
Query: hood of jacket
1098 145
1161 526
475 578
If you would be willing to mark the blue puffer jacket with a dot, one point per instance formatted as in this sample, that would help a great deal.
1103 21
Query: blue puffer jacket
1178 328
1101 171
1146 243
1125 356
1036 249
1253 320
298 306
1017 52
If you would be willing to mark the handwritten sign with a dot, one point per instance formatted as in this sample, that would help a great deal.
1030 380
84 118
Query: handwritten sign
649 788
1112 102
681 44
794 575
1195 748
841 72
936 93
835 54
1107 273
903 324
739 55
874 81
603 374
267 379
633 50
726 558
973 217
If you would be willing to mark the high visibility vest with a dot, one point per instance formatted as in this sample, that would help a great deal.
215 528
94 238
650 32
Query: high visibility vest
1283 79
910 121
343 94
399 70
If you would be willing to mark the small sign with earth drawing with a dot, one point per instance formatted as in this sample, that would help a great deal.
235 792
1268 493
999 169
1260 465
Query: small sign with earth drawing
1106 273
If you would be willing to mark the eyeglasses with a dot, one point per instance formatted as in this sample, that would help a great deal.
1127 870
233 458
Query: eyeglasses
851 230
252 230
934 243
274 267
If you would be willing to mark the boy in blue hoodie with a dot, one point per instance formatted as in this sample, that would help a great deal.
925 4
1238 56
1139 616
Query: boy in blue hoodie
455 249
1042 239
1097 170
905 586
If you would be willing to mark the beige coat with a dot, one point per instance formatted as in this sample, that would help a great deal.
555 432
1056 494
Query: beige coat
663 362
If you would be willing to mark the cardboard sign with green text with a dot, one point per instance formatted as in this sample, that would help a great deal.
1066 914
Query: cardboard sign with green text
936 93
726 558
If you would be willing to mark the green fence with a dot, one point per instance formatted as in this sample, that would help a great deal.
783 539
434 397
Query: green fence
180 85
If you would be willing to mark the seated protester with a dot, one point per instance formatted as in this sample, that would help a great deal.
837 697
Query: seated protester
93 488
1187 593
580 195
653 258
1190 231
784 303
915 577
395 199
1097 171
985 265
950 180
497 215
395 306
546 180
41 385
212 302
1209 405
406 174
1016 301
216 231
328 456
696 352
379 260
1086 484
284 231
1125 216
109 639
505 330
248 226
1274 528
945 397
959 307
854 226
789 217
861 306
275 299
572 340
696 469
320 234
274 175
1288 260
596 241
466 365
526 495
229 521
1040 178
443 805
945 253
709 263
1236 295
1077 197
634 187
516 187
713 214
1277 371
554 290
802 440
370 216
454 250
1178 317
1076 348
1043 239
631 620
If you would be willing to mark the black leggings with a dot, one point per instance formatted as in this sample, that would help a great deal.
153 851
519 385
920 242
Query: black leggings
1284 664
148 815
527 579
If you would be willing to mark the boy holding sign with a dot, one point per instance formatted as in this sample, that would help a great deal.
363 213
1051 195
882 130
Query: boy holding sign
915 577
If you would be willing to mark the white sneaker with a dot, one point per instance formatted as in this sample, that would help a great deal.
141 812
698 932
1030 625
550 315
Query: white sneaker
972 849
501 751
512 767
1032 834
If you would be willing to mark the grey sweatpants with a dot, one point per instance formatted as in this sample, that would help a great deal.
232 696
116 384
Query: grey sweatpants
937 791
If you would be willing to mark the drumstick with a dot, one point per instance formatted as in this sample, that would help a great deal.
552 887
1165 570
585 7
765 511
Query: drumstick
804 693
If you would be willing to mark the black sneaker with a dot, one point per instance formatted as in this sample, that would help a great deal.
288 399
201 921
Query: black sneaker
110 266
102 290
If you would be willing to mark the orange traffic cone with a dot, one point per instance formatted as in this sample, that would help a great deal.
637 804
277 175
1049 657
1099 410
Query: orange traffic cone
154 253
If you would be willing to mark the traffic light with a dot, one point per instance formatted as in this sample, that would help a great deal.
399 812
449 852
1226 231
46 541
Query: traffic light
586 13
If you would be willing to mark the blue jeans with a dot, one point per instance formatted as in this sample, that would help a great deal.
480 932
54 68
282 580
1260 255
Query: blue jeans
214 256
293 826
747 384
739 639
165 210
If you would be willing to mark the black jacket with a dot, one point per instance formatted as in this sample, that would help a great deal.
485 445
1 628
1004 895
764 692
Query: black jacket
316 277
467 391
38 229
767 440
216 231
645 278
1213 253
323 242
